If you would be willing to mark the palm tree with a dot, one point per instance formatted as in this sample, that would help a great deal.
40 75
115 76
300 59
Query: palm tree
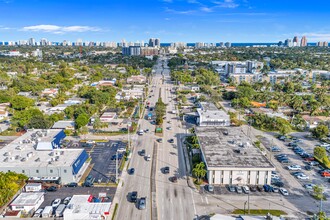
199 171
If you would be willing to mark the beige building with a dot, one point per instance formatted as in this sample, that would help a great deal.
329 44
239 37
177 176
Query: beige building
231 158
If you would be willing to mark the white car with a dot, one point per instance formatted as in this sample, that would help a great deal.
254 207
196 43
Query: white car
275 176
302 177
148 158
309 186
56 203
284 192
294 167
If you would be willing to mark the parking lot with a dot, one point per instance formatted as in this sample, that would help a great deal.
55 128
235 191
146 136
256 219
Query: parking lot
104 169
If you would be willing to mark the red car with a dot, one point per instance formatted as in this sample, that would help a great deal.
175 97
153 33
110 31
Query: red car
325 174
309 159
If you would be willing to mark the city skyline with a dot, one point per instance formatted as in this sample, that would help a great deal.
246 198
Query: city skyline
169 20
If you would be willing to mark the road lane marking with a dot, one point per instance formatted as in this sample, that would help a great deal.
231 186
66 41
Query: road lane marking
207 201
192 198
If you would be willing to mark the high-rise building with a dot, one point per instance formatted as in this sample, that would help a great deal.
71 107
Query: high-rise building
131 51
221 44
303 42
157 42
322 44
43 42
295 41
32 42
288 43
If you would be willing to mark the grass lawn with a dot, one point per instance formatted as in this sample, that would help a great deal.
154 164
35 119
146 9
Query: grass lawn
263 212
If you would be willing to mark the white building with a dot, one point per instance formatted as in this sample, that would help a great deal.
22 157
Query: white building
231 158
28 201
108 117
81 207
33 187
210 115
37 154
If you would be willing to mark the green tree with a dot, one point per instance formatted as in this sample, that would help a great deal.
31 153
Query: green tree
321 131
199 170
20 102
318 192
320 153
82 120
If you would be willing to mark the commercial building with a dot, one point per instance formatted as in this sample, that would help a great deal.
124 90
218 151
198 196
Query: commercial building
27 201
37 154
107 117
303 42
231 158
82 207
136 79
131 51
210 115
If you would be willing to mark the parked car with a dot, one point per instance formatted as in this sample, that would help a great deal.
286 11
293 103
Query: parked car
246 189
268 188
210 188
275 190
313 163
56 203
239 189
275 149
51 189
297 173
284 192
308 167
142 203
72 184
260 188
231 188
285 161
160 140
253 188
303 177
38 213
134 195
171 140
148 158
325 174
66 200
309 186
294 167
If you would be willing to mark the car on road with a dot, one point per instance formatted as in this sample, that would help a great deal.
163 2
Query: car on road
142 203
160 140
174 179
134 195
72 184
169 128
309 186
166 170
56 203
284 192
171 140
131 171
169 122
231 188
143 152
210 188
66 200
294 167
302 177
148 158
51 189
239 189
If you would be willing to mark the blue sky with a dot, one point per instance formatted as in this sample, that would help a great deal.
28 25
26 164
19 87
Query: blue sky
169 20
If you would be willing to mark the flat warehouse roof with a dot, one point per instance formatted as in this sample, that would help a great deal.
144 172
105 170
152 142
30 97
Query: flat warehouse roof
27 199
229 147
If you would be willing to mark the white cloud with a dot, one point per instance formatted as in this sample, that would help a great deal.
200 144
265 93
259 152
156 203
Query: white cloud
168 1
185 12
206 9
226 4
55 29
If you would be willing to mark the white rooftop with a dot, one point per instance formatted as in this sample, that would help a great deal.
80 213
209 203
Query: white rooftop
22 152
79 204
27 199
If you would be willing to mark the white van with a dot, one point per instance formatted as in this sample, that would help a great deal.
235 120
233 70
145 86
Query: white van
47 212
38 213
59 211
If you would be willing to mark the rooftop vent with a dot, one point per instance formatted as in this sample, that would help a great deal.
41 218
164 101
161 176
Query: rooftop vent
5 160
17 157
7 154
30 154
23 159
37 160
